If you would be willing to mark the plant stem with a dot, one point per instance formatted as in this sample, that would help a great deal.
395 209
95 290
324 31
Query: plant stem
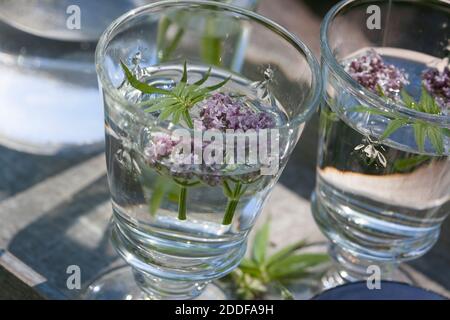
232 204
182 203
229 212
188 119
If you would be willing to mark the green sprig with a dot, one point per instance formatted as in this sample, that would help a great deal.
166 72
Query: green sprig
422 130
174 104
256 274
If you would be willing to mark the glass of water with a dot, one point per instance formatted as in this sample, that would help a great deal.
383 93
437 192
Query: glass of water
383 172
173 74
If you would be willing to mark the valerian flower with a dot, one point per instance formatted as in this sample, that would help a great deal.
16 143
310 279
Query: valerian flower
438 85
372 72
160 146
221 111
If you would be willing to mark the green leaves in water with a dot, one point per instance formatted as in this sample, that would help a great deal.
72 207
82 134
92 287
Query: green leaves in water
407 164
161 187
255 275
422 130
174 104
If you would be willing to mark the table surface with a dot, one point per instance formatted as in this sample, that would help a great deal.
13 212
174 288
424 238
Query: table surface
54 211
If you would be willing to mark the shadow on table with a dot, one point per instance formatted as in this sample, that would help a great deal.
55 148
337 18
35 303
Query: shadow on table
20 171
73 233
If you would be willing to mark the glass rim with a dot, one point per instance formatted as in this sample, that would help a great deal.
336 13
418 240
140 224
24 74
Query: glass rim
354 86
316 82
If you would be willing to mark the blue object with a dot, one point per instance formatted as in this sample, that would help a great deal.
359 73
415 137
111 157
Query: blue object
389 290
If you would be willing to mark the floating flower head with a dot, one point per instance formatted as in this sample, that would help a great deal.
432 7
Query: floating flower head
438 85
160 146
372 72
221 111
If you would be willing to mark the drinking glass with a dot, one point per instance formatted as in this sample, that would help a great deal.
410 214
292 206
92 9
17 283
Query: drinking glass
39 50
180 227
383 172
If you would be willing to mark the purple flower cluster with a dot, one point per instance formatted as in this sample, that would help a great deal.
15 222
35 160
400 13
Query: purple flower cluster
371 71
220 111
159 147
438 85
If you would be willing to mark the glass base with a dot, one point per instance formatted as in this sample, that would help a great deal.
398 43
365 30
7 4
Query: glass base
337 276
120 284
350 265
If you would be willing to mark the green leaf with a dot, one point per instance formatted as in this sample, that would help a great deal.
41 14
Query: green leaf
168 51
407 99
422 130
160 188
211 49
173 193
295 266
285 252
249 267
403 165
420 134
167 112
285 293
393 126
219 85
227 190
436 139
427 103
205 77
380 91
176 116
179 90
141 86
362 108
184 76
446 132
176 102
200 93
161 104
163 26
188 119
260 244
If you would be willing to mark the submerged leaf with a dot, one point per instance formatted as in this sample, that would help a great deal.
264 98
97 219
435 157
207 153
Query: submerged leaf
160 188
436 139
422 129
362 108
446 132
420 134
407 164
393 126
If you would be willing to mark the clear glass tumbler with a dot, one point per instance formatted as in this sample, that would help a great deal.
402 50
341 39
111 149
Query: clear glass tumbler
383 172
164 68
